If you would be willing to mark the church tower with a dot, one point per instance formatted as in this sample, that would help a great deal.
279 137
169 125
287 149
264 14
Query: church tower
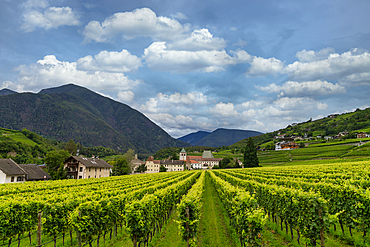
182 155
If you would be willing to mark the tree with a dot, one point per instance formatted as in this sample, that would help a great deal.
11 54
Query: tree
301 145
175 156
141 168
71 147
162 168
224 162
121 167
250 154
129 156
54 163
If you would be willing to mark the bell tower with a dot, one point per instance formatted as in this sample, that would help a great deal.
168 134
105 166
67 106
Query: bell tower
182 155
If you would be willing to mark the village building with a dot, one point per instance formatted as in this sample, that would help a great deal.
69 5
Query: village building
286 145
11 172
152 165
362 135
135 163
35 172
79 167
173 165
206 161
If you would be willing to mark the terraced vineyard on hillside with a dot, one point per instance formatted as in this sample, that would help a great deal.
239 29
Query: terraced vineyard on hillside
327 205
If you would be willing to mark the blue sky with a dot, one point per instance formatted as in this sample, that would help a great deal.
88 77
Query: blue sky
195 65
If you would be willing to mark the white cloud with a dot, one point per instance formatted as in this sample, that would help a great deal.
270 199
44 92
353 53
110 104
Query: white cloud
200 39
150 106
312 56
263 67
321 106
192 98
307 88
158 57
234 29
122 61
272 111
300 103
34 4
51 72
177 125
224 110
240 43
126 96
175 102
335 67
253 104
358 79
37 14
251 113
179 16
140 22
6 84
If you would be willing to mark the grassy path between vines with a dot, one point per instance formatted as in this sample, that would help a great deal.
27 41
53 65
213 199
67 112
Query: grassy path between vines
214 228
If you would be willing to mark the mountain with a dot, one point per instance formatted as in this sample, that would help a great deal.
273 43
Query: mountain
193 138
74 112
219 137
6 91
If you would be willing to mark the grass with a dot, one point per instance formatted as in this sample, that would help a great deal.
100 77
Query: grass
122 239
169 235
214 226
17 136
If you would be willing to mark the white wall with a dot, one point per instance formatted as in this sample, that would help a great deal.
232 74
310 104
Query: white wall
2 177
7 179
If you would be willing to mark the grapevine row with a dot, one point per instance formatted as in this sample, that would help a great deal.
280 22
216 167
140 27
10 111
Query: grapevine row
189 210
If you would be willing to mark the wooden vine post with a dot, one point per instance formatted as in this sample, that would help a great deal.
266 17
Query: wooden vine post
187 226
322 229
135 240
79 233
39 228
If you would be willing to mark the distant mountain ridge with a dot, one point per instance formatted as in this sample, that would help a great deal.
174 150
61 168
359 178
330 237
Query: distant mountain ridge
74 112
6 91
219 137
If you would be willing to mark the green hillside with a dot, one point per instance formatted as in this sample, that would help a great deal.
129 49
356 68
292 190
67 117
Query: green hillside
24 146
73 112
332 125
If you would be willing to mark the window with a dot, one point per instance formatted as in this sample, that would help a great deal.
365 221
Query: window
79 177
81 169
12 179
19 179
89 169
100 169
96 169
88 176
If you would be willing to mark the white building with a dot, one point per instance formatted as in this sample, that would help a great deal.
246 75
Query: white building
11 172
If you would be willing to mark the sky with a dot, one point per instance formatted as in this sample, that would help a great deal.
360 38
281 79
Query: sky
195 65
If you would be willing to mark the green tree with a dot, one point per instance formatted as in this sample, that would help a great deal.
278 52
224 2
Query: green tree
162 168
175 155
224 163
141 168
250 154
54 162
71 147
121 167
301 145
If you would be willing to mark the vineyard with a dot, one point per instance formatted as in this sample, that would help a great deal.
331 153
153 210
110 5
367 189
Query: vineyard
316 205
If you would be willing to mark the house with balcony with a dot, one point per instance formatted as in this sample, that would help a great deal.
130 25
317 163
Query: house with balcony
79 167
